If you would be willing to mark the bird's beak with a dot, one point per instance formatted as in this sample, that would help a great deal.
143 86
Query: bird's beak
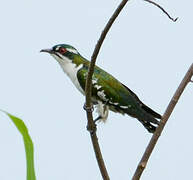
50 51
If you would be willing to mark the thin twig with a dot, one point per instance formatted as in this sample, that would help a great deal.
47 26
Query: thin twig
149 1
143 162
91 126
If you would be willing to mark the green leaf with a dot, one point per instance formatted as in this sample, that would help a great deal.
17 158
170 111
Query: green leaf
28 145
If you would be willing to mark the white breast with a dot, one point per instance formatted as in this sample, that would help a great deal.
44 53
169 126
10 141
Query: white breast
71 70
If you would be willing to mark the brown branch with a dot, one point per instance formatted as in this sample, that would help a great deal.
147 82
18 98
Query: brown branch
164 11
143 162
91 126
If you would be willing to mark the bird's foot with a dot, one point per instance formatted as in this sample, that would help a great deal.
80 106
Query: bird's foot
88 109
98 119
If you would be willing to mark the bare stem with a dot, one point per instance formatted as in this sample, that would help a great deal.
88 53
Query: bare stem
164 11
91 126
143 162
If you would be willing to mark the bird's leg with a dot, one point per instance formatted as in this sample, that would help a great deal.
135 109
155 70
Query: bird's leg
103 111
91 128
88 109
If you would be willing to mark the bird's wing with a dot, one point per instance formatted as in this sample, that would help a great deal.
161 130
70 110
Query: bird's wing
108 89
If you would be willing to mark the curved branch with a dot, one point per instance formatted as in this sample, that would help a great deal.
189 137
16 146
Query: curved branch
143 162
91 126
164 11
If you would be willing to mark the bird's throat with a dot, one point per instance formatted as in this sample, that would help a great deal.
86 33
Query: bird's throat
71 69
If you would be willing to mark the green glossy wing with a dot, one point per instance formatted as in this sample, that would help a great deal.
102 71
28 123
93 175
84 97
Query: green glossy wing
108 89
120 98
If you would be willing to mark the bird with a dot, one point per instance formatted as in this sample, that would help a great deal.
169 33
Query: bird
108 93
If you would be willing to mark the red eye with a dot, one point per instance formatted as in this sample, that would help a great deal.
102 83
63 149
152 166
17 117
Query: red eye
62 50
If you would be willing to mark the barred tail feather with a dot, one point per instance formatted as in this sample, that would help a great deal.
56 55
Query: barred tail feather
144 114
152 116
148 121
151 128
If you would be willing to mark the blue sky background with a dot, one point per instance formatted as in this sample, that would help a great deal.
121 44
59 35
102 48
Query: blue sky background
144 50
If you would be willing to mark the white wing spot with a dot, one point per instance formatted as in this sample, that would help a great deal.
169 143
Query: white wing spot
97 86
102 95
94 81
124 107
116 103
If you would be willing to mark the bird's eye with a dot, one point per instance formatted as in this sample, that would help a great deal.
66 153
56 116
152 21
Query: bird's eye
62 50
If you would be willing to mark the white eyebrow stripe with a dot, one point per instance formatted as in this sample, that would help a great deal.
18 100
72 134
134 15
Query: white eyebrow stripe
72 50
57 48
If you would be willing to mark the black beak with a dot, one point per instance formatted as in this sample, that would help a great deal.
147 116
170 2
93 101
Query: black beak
50 51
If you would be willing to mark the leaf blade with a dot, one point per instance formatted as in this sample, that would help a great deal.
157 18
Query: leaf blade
28 144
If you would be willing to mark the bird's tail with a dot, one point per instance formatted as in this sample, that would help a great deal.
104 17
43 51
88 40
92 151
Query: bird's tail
148 118
150 111
150 127
145 115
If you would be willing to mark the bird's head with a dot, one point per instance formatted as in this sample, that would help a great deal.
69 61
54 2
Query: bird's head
62 52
